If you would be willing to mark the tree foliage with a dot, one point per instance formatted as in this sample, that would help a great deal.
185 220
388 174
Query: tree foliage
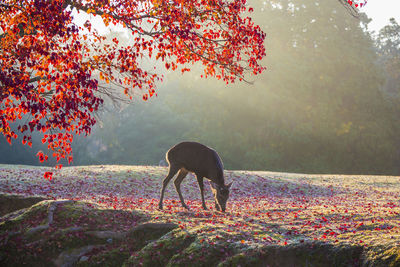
50 67
319 108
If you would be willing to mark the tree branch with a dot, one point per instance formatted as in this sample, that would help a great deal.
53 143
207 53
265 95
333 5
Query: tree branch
352 10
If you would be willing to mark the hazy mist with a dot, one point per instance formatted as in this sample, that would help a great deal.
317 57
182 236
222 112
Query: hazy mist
327 103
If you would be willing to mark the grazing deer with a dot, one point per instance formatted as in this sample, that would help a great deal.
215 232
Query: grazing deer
204 162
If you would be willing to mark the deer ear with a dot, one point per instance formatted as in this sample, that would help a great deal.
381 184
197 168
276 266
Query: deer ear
229 185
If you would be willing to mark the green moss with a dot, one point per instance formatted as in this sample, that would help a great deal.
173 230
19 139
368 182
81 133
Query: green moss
202 254
47 246
31 217
119 251
394 257
108 257
145 233
383 256
242 259
91 216
159 253
74 239
11 203
304 254
19 254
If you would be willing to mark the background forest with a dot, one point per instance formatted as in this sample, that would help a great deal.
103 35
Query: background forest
328 103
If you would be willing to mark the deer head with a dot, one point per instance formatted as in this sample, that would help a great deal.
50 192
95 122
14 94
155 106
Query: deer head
221 195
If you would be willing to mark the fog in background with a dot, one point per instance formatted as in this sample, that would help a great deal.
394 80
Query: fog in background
327 103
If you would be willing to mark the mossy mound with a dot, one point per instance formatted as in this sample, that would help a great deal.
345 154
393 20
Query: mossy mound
300 254
69 233
160 252
203 254
10 203
182 249
77 233
133 240
383 256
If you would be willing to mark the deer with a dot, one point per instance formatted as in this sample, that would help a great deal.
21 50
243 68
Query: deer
204 162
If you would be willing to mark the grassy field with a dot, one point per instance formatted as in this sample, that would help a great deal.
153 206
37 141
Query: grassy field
275 219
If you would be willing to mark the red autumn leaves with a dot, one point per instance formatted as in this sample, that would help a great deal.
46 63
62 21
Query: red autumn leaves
357 3
264 208
44 85
53 72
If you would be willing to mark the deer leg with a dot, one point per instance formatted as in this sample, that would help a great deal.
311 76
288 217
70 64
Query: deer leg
172 171
177 182
201 186
217 206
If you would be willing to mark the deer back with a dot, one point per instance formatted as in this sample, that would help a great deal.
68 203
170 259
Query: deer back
197 158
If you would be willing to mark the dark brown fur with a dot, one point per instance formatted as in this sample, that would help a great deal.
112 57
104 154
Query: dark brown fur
204 162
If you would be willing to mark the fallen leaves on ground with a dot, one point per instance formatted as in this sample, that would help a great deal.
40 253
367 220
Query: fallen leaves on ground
264 207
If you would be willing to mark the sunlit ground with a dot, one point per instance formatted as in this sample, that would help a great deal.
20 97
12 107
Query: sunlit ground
264 207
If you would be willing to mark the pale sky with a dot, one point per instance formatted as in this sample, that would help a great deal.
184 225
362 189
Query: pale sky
380 11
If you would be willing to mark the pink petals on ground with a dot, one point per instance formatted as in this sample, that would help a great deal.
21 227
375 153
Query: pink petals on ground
264 207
